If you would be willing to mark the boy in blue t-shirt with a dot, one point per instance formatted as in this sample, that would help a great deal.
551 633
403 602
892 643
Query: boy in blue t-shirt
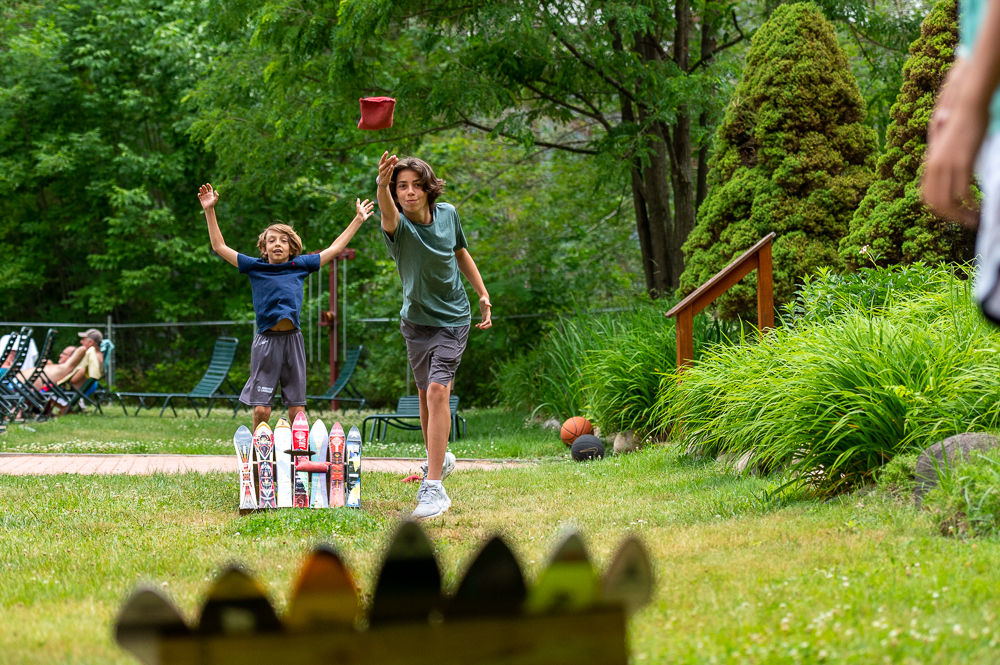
278 354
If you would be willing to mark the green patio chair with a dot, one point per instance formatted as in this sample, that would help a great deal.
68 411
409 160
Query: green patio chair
208 388
408 409
342 386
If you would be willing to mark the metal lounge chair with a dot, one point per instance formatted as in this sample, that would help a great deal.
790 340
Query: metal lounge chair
342 386
407 409
12 380
11 403
41 401
91 392
208 388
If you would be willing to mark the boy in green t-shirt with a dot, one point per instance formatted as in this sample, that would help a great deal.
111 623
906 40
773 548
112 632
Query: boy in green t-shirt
425 239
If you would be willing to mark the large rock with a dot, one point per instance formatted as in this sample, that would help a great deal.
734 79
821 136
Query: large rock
949 453
626 442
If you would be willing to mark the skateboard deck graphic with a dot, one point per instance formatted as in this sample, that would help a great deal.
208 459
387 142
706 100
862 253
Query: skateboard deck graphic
282 442
352 468
300 442
263 441
336 451
319 441
243 441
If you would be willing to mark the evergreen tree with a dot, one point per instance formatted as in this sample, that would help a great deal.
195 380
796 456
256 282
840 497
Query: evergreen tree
791 156
892 221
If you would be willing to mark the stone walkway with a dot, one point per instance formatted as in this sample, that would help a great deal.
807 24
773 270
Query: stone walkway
47 464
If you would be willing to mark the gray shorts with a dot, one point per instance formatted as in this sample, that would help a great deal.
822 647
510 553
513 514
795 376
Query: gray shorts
276 358
434 353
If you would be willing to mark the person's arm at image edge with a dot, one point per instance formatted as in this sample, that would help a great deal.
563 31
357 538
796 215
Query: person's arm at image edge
468 268
960 124
208 198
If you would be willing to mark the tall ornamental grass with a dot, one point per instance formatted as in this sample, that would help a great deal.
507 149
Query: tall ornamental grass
606 366
837 398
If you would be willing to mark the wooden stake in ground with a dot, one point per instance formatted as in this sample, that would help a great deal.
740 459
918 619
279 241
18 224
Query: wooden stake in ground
243 441
352 468
337 496
263 441
300 444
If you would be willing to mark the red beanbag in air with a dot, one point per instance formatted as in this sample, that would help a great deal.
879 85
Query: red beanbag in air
376 112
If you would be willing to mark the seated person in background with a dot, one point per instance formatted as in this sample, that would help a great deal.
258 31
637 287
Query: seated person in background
30 360
91 366
69 361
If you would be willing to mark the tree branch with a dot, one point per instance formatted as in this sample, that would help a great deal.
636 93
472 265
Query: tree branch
594 68
546 144
704 61
590 114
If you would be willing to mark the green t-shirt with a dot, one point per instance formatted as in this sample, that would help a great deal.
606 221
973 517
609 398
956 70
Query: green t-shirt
433 294
971 14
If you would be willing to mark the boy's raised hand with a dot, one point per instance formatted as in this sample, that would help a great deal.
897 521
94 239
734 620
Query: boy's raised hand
207 196
365 209
385 166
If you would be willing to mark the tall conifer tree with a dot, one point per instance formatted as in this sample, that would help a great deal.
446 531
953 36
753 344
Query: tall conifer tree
892 221
791 156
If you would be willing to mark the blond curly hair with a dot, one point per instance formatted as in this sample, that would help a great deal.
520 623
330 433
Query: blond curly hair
294 241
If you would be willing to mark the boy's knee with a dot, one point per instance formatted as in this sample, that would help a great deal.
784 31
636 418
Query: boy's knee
437 391
262 411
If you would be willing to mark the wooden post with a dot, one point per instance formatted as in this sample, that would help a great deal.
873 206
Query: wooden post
756 258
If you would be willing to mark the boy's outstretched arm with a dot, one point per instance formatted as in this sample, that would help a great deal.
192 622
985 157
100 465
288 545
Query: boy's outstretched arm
471 272
208 198
340 244
961 123
390 216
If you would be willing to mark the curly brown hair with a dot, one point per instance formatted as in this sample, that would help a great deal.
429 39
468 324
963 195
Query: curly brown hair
431 184
294 241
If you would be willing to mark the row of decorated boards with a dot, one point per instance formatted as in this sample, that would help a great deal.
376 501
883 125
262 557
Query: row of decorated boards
570 615
298 467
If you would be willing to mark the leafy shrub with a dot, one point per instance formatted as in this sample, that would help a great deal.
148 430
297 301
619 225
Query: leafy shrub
967 498
839 398
899 475
607 367
827 293
792 156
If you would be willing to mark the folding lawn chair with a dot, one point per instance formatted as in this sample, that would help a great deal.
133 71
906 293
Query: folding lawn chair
342 384
26 383
10 402
92 391
208 388
407 409
13 383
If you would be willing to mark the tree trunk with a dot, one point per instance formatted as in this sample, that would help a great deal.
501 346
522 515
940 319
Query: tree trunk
709 24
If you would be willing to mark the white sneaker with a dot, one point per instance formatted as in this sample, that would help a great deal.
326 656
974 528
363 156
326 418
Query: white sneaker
446 468
432 501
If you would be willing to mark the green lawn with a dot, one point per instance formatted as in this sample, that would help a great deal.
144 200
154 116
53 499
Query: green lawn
491 433
741 576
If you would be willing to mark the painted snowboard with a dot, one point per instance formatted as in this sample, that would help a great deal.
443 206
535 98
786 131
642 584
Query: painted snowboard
282 443
243 441
300 441
319 441
336 466
352 468
263 441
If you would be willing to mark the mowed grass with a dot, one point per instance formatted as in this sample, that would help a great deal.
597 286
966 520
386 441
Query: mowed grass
491 433
741 577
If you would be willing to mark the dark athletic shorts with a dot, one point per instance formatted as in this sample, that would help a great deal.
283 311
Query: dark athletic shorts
276 357
434 352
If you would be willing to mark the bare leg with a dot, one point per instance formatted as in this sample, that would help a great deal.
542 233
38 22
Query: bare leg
294 411
435 422
261 414
57 373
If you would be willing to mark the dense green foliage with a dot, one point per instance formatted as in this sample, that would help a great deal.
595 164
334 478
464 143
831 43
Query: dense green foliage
791 156
838 398
892 221
966 501
607 367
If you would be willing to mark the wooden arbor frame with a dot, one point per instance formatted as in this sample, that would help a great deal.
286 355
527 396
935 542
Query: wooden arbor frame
756 258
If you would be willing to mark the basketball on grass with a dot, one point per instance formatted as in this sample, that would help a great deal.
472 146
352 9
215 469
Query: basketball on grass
574 427
587 447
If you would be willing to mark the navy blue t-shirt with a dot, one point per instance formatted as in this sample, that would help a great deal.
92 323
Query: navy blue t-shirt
277 287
